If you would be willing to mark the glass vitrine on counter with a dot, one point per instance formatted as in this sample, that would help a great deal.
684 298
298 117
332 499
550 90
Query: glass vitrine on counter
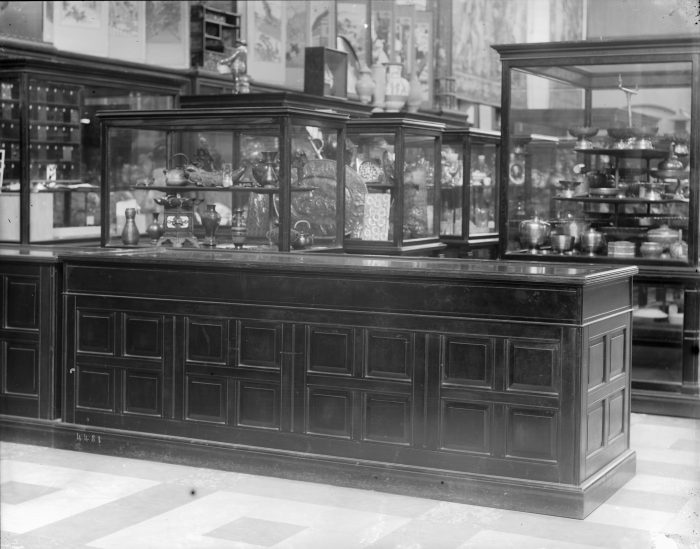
600 164
397 159
598 144
266 178
50 187
469 190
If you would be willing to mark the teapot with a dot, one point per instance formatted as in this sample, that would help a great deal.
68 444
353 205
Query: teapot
178 176
303 237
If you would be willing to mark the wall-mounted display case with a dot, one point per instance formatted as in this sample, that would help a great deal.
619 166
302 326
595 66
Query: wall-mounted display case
397 158
469 190
599 165
274 175
213 34
50 189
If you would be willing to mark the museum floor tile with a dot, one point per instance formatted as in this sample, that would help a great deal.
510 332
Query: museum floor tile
62 499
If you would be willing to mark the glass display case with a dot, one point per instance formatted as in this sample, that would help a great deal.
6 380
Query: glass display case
49 187
600 164
241 177
397 159
606 135
469 189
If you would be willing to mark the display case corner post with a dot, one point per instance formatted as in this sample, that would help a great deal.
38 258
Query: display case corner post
504 164
25 170
104 185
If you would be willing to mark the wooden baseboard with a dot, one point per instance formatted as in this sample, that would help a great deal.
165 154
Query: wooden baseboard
666 404
506 493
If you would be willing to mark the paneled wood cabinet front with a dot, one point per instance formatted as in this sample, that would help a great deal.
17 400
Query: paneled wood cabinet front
414 369
30 352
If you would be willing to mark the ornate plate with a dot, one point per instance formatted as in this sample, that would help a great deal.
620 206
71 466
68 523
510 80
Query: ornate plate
370 171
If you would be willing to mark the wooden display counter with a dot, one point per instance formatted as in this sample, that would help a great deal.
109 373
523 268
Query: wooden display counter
494 383
30 341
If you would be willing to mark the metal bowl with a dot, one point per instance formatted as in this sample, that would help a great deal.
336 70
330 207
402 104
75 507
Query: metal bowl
562 242
651 249
534 232
583 131
624 133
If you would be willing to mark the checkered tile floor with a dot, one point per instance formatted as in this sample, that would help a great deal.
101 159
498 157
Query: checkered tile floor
69 500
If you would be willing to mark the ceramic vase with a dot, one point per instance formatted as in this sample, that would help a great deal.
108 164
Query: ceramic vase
379 77
155 229
210 220
238 228
397 88
365 85
415 94
130 232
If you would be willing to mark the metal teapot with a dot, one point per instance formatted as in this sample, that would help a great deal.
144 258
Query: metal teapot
178 176
302 238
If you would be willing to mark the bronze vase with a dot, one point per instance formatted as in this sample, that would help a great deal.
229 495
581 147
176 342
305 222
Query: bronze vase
210 220
155 229
130 232
238 228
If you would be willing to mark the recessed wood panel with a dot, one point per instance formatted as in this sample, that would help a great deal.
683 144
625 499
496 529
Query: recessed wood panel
142 393
531 433
533 367
95 388
616 405
206 340
388 355
596 362
22 302
21 369
259 344
206 399
258 405
468 362
329 412
618 346
465 427
330 350
143 336
595 422
95 332
387 418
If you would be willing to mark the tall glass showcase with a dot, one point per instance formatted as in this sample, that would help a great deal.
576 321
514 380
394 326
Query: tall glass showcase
397 158
600 164
469 190
255 178
50 181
